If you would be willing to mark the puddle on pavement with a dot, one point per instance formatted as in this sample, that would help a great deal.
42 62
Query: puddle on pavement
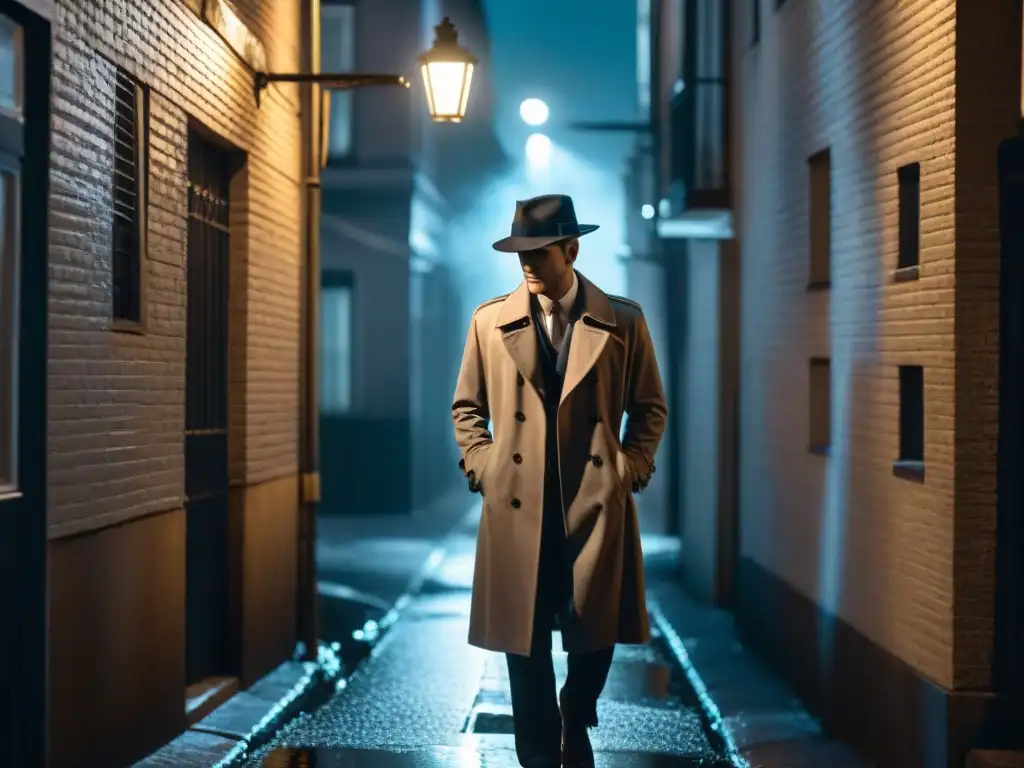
450 757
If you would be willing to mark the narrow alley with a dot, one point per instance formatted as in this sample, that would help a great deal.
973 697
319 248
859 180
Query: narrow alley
426 698
717 301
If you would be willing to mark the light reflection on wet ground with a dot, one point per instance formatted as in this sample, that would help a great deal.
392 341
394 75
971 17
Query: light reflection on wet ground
425 698
469 756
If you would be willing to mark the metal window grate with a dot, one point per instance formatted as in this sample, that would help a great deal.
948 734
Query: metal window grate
129 104
208 254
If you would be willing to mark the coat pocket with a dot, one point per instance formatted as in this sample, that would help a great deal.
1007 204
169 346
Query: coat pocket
622 470
481 481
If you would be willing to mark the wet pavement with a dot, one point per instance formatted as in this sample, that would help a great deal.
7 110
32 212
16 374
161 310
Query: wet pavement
423 698
761 721
367 566
426 698
368 563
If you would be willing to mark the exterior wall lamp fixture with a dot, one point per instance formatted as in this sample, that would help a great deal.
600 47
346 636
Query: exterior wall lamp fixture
447 70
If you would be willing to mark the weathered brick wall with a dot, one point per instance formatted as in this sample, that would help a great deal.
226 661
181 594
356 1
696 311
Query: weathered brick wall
116 399
875 82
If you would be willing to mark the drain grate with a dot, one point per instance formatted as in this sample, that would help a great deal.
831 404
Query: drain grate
492 722
489 715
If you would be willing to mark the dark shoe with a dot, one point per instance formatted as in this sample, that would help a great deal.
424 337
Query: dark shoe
577 751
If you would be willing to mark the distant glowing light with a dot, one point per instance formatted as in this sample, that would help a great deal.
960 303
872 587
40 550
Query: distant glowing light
647 211
538 150
534 112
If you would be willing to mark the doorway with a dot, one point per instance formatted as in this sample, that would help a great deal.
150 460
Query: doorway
1008 656
212 661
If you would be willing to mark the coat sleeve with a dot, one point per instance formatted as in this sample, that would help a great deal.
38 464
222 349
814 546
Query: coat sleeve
470 411
645 406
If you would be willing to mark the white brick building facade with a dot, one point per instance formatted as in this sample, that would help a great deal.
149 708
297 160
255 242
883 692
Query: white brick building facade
904 558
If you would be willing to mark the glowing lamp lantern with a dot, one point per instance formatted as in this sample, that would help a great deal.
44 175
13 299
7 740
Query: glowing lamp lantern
447 75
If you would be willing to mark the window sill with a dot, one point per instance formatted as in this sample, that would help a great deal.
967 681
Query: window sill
819 285
128 326
820 450
909 470
906 274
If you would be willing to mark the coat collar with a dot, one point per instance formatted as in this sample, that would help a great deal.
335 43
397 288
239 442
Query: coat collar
516 306
587 340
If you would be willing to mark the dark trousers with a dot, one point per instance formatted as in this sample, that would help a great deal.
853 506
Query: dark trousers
535 710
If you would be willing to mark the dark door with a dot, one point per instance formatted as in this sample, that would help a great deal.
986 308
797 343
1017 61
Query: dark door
24 157
209 625
1008 660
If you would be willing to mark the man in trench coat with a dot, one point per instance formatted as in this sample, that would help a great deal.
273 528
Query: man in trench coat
547 374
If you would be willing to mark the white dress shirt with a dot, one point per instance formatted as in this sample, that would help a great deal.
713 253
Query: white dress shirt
562 307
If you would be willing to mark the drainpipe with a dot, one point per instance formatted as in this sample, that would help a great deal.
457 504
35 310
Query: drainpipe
309 488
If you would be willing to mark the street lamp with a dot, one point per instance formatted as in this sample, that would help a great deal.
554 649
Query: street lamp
447 75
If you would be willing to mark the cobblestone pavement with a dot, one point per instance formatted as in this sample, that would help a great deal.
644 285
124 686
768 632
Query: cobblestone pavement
426 698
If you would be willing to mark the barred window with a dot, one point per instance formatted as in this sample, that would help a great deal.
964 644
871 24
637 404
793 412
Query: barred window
130 172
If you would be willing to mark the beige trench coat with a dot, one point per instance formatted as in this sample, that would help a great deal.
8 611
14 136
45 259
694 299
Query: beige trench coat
611 370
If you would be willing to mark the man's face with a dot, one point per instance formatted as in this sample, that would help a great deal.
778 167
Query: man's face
547 270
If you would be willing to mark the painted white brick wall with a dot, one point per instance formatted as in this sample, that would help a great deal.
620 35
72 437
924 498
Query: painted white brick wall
875 83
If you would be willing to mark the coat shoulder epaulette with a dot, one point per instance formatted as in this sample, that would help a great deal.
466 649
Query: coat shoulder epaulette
488 303
627 302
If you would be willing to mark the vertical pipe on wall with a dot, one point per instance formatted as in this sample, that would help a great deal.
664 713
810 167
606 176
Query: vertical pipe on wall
309 488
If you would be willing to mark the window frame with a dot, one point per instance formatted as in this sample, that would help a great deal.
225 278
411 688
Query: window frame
819 434
347 96
140 224
10 323
908 241
819 265
910 459
337 280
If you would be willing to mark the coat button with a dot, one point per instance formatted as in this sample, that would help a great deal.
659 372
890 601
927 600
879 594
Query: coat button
517 458
520 417
597 461
516 504
520 380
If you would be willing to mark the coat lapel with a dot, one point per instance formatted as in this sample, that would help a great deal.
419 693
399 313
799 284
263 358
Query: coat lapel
589 335
520 338
585 338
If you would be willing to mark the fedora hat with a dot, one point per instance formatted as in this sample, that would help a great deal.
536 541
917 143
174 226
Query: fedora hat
541 221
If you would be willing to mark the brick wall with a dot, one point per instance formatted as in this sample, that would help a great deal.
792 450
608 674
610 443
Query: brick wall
117 399
987 111
875 83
